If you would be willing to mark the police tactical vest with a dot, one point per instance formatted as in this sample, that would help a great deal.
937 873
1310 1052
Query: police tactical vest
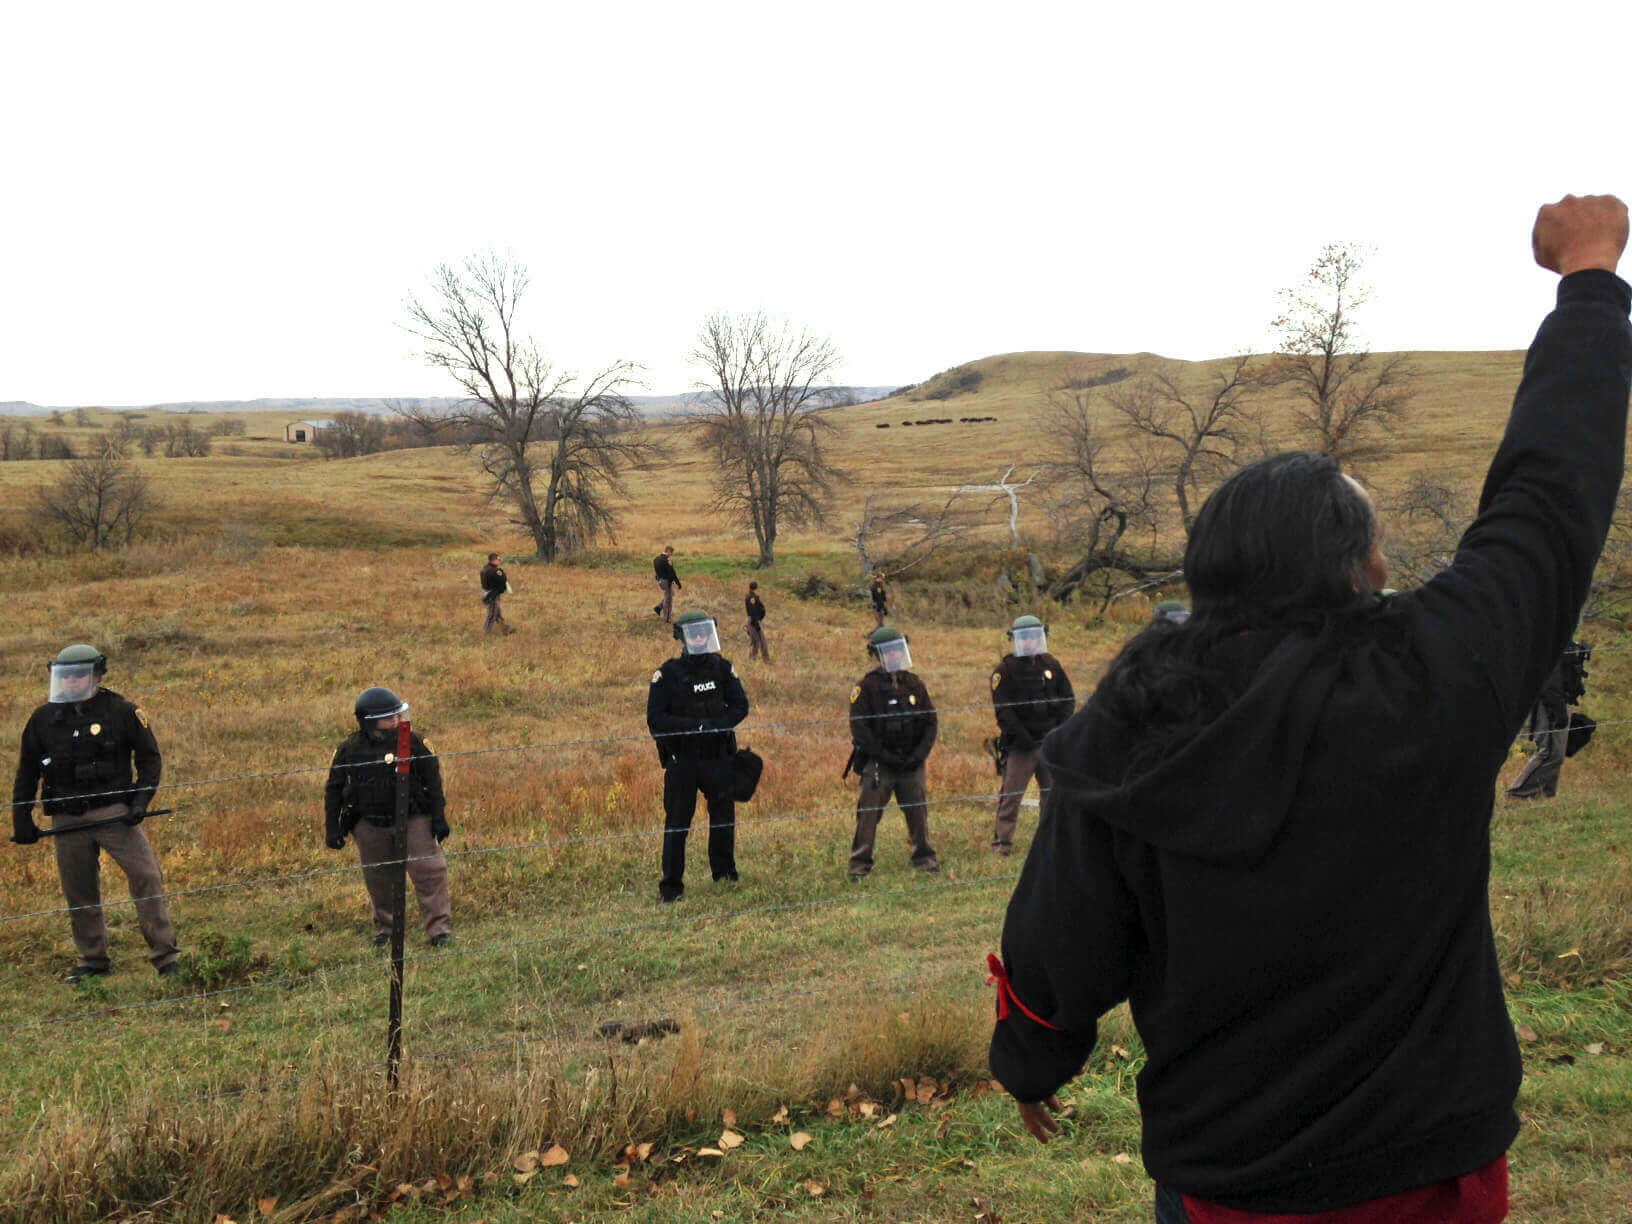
84 752
371 787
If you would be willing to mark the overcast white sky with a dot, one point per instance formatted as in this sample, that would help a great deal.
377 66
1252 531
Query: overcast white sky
220 201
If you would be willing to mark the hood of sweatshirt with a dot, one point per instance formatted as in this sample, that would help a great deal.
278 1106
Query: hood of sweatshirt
1223 795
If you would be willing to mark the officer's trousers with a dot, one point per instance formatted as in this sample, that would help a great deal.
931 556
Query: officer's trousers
878 615
427 868
79 865
1017 772
665 590
1550 728
877 785
683 781
494 615
760 648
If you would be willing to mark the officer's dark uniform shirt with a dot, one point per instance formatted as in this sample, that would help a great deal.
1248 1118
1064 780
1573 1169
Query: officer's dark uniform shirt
880 595
82 751
1032 695
493 579
756 608
693 692
664 568
363 784
892 720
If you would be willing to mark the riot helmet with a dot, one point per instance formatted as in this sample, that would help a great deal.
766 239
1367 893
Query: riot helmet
697 632
75 673
376 703
1029 636
1172 610
889 646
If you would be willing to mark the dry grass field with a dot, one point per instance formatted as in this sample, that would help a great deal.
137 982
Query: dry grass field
276 585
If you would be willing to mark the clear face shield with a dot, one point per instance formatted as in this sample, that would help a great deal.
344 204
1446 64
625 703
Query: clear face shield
700 637
1032 640
382 723
71 682
894 656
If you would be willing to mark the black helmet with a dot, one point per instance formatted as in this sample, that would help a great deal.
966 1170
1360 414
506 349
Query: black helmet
377 703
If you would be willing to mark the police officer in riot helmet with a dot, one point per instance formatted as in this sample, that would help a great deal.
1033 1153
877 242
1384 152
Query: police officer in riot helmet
81 745
892 728
1031 695
360 799
694 701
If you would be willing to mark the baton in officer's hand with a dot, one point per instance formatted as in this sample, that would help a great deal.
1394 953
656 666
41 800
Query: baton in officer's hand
99 824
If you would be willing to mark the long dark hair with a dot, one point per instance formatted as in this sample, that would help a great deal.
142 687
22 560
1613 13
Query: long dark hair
1281 544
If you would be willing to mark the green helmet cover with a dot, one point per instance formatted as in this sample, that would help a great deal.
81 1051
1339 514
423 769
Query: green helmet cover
1025 622
1170 605
689 618
886 633
81 653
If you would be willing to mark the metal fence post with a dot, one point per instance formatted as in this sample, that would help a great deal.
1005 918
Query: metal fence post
399 902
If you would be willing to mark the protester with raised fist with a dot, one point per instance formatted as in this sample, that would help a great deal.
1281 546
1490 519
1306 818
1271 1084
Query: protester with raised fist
1269 828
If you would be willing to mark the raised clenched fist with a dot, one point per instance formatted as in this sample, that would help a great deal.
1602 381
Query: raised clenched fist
1580 232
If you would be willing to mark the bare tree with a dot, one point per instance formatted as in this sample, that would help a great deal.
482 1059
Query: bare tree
1005 487
901 537
16 440
1347 396
1422 521
185 440
555 446
100 501
761 421
353 434
1098 499
1203 430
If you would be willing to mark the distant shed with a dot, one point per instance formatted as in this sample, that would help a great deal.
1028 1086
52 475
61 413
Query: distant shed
305 431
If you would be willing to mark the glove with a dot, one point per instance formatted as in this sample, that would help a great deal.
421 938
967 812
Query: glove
135 816
439 827
336 843
23 829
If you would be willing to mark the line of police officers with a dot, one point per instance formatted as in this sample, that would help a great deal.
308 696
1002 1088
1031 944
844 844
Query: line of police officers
90 756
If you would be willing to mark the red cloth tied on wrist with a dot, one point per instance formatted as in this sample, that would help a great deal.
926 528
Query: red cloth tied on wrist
1006 995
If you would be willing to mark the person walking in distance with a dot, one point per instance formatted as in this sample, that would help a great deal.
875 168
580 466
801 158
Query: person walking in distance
694 701
668 582
758 647
77 750
1031 695
881 599
892 728
1269 830
360 799
495 586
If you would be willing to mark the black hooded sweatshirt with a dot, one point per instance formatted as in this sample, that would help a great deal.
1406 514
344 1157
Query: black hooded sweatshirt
1295 901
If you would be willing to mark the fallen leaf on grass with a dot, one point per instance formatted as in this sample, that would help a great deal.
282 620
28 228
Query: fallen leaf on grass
1597 1047
780 1117
526 1162
730 1139
889 1121
800 1140
570 1181
621 1181
267 1206
557 1155
709 1152
224 1219
223 1024
1121 1052
1121 1158
835 1108
729 1117
852 1093
980 1088
521 1179
816 1189
909 1087
443 1181
868 1109
926 1090
1575 952
1526 1033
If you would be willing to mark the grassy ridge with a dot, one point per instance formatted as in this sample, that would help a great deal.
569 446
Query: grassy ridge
281 587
